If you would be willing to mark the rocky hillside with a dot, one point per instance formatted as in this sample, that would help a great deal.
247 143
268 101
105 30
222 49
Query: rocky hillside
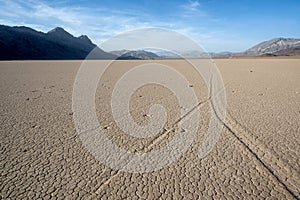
23 43
273 46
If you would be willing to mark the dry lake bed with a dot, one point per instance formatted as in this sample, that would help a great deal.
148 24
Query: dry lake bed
257 155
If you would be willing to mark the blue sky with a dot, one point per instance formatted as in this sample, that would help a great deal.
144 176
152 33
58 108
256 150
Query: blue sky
217 25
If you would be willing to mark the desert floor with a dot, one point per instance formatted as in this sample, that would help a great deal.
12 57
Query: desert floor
257 155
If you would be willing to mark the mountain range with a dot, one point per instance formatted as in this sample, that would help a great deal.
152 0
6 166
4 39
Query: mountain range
276 46
269 48
135 54
24 43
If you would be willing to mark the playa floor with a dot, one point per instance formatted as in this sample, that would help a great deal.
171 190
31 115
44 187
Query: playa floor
257 155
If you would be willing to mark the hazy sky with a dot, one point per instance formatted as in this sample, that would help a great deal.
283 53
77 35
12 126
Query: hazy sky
218 25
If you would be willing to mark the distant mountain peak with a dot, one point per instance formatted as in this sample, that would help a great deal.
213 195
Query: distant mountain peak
59 32
57 29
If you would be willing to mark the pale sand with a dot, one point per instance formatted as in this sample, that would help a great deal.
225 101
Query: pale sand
257 155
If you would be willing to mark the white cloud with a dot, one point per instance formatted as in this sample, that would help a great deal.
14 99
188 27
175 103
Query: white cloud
67 15
191 6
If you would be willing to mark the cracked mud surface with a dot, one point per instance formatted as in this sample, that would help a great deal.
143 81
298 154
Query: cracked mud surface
256 157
